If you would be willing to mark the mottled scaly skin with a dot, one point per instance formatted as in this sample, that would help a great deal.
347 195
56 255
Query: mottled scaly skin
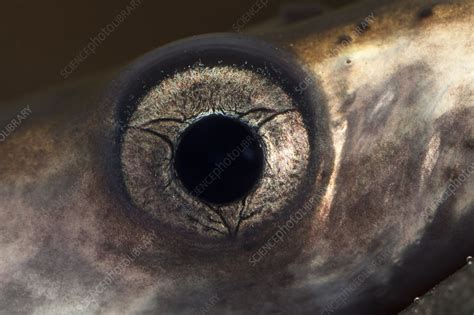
396 218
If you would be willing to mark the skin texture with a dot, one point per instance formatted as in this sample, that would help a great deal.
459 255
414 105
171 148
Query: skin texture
392 218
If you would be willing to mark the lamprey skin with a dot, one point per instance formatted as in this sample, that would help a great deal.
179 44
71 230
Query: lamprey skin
351 172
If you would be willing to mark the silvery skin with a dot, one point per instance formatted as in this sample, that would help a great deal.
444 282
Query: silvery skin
391 195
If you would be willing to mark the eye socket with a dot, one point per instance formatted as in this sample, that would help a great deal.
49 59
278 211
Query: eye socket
219 159
185 112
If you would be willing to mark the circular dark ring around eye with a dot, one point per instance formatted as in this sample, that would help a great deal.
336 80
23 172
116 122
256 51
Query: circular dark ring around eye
239 79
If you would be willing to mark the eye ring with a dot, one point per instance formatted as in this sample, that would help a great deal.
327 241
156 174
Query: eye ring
241 54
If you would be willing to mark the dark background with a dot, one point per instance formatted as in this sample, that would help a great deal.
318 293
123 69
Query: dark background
40 37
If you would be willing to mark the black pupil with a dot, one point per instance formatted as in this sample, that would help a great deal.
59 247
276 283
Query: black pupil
219 159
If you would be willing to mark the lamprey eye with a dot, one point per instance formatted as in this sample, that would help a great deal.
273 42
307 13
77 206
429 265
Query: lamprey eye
217 145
